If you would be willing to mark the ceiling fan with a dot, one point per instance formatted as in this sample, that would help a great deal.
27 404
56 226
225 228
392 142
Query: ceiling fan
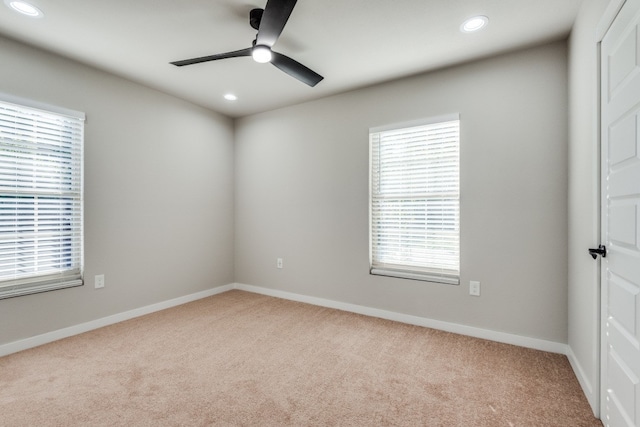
269 22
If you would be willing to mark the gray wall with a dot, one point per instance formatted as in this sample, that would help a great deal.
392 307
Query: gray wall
162 178
158 193
302 194
584 197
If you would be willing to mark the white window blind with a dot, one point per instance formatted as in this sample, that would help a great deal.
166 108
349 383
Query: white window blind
40 199
415 201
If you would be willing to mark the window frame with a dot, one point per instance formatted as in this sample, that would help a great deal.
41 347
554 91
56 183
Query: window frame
64 206
424 272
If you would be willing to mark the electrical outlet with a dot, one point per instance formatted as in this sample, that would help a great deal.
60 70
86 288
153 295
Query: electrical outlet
279 263
474 288
99 281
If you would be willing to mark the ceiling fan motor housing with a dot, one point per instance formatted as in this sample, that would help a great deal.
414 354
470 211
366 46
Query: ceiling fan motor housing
255 16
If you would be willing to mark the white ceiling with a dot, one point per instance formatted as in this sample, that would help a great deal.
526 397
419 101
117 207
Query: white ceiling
352 43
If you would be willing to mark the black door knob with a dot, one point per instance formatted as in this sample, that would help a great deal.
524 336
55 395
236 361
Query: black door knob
602 250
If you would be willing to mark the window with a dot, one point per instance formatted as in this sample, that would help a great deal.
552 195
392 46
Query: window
415 200
40 197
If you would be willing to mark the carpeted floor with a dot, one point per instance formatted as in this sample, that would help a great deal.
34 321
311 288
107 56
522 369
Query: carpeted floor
241 359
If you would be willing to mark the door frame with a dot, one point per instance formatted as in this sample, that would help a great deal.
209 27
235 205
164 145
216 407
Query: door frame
607 19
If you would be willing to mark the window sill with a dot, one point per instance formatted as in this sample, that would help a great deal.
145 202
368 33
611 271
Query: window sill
17 291
425 277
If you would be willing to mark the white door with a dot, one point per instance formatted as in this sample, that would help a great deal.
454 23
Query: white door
620 169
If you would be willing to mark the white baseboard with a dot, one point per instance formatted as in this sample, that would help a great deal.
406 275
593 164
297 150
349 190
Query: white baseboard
16 346
487 334
534 343
587 387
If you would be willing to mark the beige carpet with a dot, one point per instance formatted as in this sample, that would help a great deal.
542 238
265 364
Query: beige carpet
240 359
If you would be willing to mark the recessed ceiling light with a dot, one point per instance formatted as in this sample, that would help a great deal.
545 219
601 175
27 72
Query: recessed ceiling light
24 8
230 97
474 24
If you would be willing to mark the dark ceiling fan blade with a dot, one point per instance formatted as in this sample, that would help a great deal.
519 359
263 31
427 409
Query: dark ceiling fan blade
296 69
275 16
234 54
